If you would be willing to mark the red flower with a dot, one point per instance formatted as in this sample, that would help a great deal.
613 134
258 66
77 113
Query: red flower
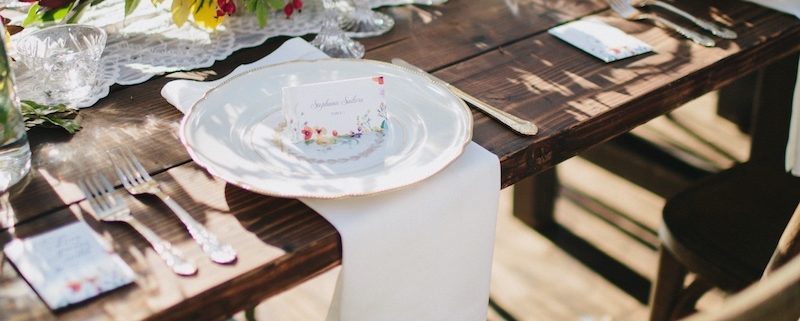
288 9
225 7
298 5
306 133
51 4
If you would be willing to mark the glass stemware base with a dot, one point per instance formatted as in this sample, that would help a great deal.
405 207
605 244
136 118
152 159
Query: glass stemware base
332 40
364 22
338 45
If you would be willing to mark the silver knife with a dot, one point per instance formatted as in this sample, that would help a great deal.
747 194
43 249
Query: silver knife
517 124
715 29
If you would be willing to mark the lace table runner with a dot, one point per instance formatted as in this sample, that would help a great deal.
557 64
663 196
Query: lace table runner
147 44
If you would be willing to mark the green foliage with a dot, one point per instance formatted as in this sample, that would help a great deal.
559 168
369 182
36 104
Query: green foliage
40 15
34 15
276 4
78 11
130 5
262 8
50 116
261 13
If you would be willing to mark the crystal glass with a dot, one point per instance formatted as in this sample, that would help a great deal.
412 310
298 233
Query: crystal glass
362 21
66 58
332 40
15 153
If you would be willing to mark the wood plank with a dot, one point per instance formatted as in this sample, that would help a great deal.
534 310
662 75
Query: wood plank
152 124
533 279
468 28
139 117
702 119
588 102
579 103
613 194
275 238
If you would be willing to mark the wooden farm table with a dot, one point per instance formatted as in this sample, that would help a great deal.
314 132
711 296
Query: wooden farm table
497 50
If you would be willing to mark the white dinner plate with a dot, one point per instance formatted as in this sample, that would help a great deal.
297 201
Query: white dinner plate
236 131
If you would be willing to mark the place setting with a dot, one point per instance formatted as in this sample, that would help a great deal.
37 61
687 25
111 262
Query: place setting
339 139
346 136
608 43
357 141
190 198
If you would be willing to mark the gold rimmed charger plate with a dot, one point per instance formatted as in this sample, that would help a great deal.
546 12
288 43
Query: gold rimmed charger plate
237 132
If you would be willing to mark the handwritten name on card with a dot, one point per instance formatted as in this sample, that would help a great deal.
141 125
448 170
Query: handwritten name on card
329 112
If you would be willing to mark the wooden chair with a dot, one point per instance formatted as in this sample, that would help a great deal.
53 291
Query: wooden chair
777 296
724 230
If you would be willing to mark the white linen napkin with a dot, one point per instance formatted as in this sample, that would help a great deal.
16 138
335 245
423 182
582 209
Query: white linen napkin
788 6
793 145
420 253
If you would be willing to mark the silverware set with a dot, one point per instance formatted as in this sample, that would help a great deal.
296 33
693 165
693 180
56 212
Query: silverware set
628 11
110 207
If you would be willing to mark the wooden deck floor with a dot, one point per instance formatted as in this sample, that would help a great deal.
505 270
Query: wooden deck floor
598 264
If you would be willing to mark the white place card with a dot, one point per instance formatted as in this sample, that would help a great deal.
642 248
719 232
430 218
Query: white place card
600 40
68 265
330 112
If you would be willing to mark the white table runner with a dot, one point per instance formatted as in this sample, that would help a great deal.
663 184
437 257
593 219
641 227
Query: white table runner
147 43
421 253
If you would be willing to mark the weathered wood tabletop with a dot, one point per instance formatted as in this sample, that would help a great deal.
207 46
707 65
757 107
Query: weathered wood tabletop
496 50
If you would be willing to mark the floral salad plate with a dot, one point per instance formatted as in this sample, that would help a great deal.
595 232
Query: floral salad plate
238 132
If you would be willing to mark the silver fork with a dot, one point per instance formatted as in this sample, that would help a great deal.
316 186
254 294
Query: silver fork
714 28
137 181
110 207
624 9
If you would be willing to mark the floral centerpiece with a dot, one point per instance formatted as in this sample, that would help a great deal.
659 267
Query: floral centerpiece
207 14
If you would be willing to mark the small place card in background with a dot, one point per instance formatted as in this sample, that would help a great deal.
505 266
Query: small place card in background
600 40
68 265
327 112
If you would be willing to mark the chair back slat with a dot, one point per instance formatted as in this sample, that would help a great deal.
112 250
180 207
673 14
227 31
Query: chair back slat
777 296
788 245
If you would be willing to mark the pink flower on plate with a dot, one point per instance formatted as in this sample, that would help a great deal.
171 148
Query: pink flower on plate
307 133
74 286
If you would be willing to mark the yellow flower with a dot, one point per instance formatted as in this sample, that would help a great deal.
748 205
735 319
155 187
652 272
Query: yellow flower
180 11
203 11
206 14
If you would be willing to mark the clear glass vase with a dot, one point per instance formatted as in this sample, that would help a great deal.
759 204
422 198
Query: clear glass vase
15 153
